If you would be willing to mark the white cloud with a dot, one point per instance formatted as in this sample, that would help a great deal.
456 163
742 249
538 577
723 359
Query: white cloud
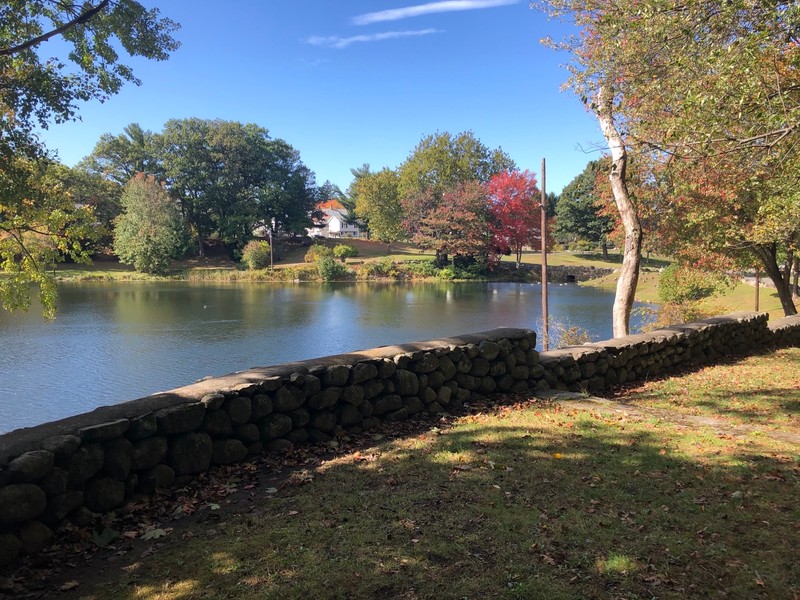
426 9
334 41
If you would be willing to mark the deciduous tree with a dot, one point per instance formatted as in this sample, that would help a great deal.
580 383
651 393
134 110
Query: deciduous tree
40 224
441 164
442 161
692 81
150 232
578 210
454 225
515 211
120 157
378 203
38 88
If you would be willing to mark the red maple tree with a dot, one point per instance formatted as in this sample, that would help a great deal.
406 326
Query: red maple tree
515 208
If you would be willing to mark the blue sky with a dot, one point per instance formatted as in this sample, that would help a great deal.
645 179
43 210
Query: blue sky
348 82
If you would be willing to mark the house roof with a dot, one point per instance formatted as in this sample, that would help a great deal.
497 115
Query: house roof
331 204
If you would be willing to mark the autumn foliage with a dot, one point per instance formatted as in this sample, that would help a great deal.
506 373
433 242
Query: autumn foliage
515 209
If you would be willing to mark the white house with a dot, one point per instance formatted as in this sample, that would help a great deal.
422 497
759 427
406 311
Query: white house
333 223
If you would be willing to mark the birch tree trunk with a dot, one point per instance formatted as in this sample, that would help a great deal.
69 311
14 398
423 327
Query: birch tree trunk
632 254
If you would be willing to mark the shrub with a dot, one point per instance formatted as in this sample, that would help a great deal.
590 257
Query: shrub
447 273
569 335
344 251
678 284
422 268
385 267
317 251
256 254
673 313
330 270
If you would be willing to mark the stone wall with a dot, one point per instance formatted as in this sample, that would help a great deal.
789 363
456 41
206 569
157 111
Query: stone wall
93 463
569 273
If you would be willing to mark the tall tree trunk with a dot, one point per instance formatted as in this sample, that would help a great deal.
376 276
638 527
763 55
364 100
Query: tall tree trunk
768 255
796 276
632 253
605 249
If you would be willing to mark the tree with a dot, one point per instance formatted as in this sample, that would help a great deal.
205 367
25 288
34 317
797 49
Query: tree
378 203
442 161
150 232
289 194
515 209
120 157
454 225
578 210
37 89
345 251
722 217
442 164
697 81
95 192
40 224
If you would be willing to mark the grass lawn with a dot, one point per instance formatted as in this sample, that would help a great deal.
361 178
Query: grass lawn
530 499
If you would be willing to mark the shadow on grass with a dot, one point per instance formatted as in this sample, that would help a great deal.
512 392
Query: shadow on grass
526 502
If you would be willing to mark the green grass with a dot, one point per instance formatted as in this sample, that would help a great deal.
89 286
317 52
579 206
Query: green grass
744 392
530 500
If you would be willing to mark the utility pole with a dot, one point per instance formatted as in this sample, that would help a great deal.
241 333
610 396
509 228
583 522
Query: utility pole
545 318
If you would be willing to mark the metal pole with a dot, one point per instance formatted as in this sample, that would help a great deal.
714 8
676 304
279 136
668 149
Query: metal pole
271 253
545 317
758 285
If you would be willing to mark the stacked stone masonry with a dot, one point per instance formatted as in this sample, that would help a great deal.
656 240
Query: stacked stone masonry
70 470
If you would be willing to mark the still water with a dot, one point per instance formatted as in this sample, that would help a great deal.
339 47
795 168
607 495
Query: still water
113 342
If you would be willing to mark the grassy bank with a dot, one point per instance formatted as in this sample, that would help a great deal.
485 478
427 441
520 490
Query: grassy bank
680 488
292 268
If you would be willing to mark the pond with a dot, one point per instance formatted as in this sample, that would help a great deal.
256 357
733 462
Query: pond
113 342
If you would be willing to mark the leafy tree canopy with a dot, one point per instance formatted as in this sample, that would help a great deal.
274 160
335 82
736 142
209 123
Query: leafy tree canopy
38 88
120 157
378 202
150 232
578 210
515 208
442 161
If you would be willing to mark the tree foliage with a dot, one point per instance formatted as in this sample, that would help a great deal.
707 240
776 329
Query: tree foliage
579 213
150 232
515 209
679 285
455 224
441 192
317 251
120 157
40 224
345 251
228 178
442 161
378 203
38 88
257 254
701 82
